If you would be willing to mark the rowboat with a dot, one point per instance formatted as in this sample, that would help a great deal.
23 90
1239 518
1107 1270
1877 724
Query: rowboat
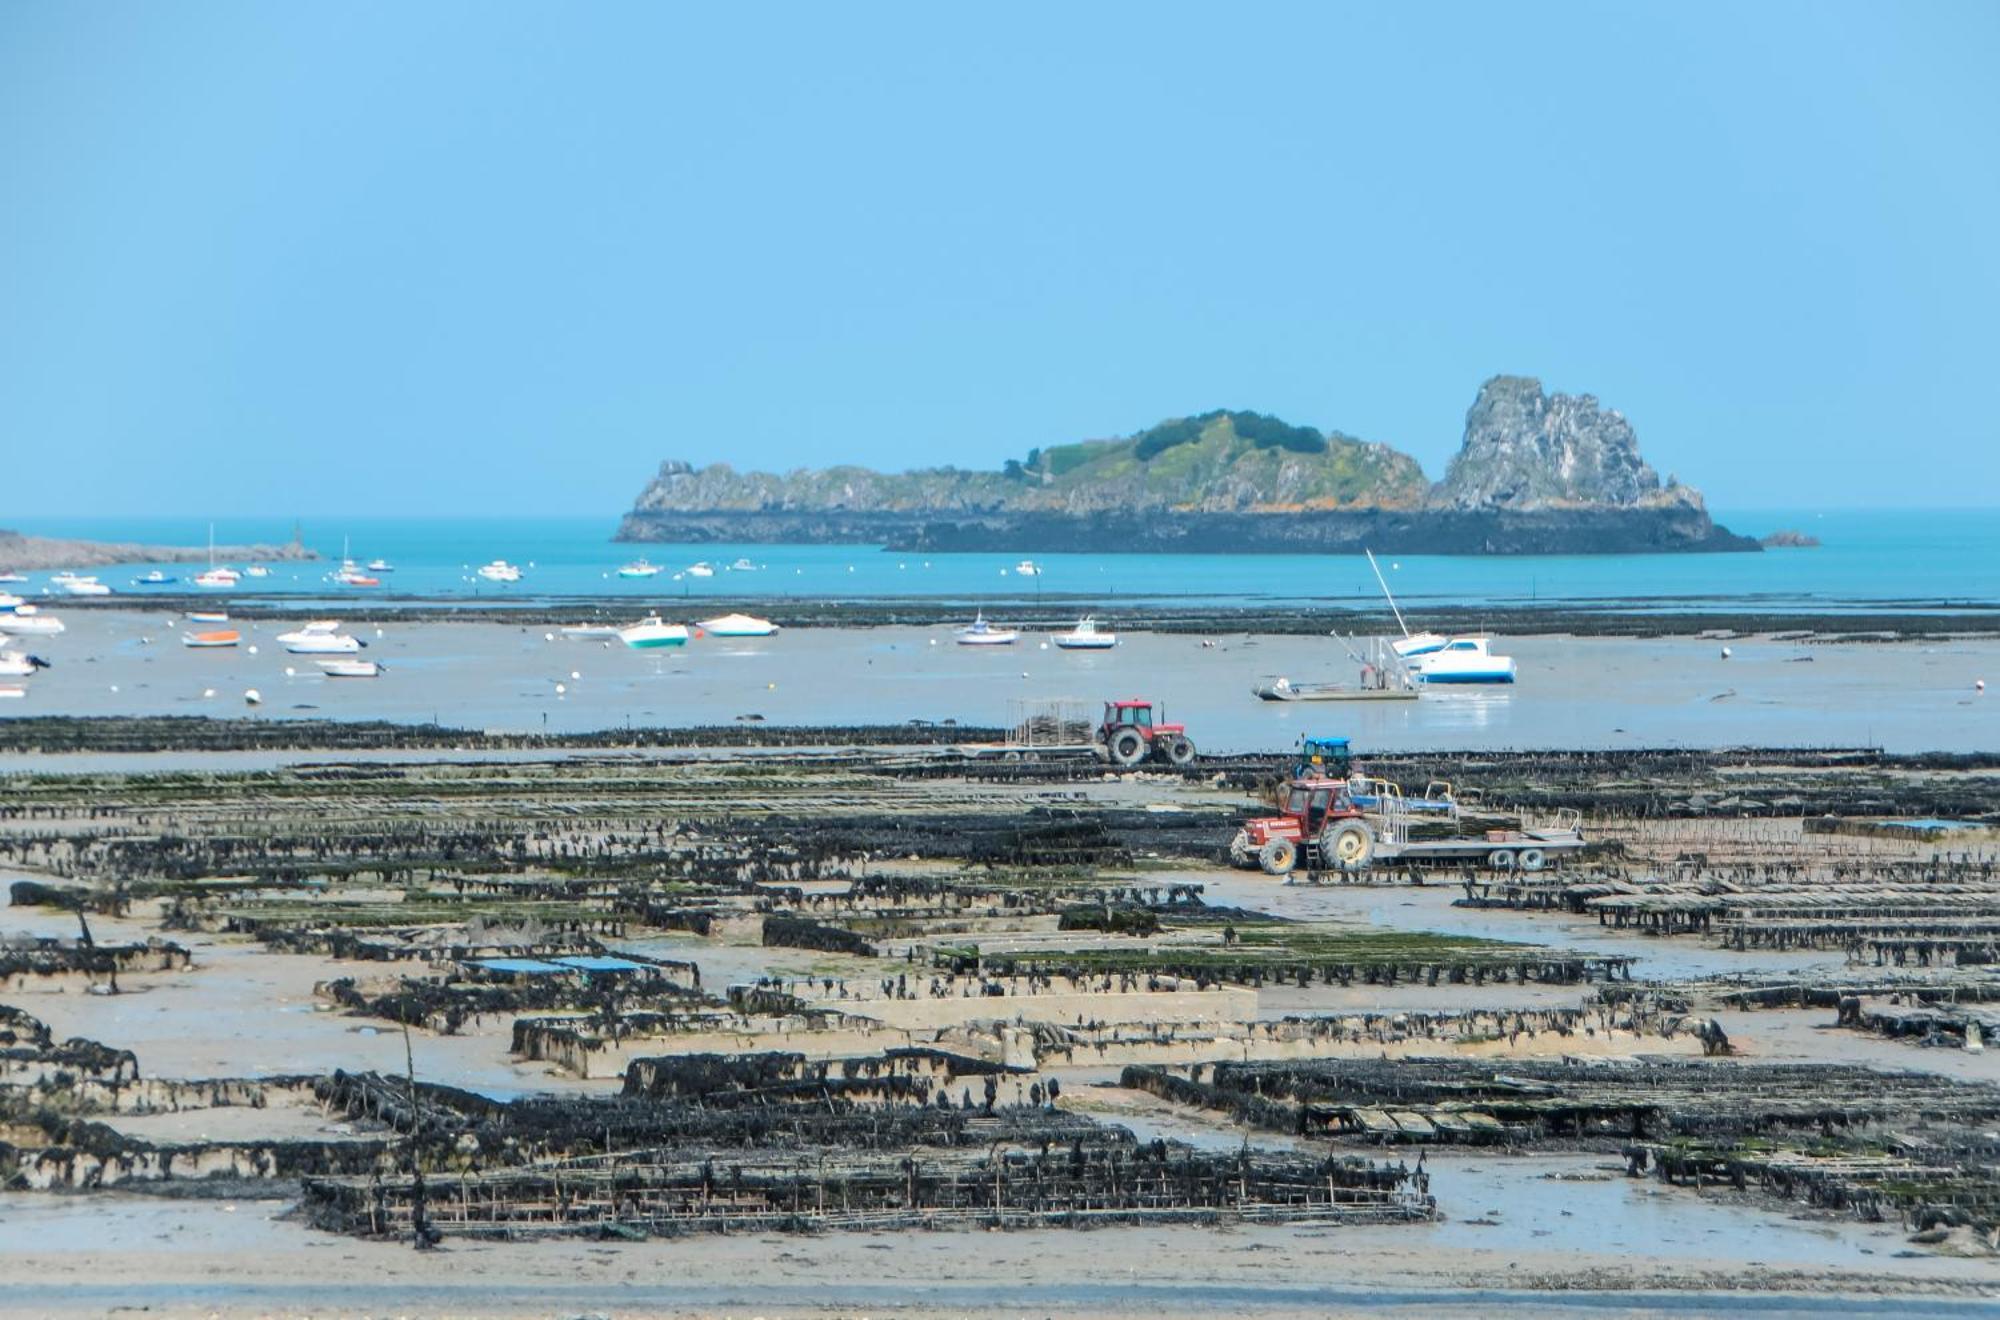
208 640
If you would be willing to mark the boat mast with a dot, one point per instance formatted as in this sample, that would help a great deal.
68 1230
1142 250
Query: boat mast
1386 594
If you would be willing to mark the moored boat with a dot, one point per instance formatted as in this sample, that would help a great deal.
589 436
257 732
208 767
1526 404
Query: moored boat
84 586
320 637
1086 636
652 633
216 579
590 631
380 566
499 571
981 633
208 616
27 621
208 640
639 568
737 625
1464 660
701 570
13 577
19 664
156 578
349 668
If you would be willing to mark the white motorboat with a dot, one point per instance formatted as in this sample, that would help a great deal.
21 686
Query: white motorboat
27 621
349 668
10 602
12 691
703 570
208 640
320 637
216 579
652 634
1028 568
380 566
256 571
639 568
737 625
743 566
590 632
1463 660
499 571
1086 636
13 577
18 664
83 586
981 633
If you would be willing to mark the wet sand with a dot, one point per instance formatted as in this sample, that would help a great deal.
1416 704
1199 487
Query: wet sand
1572 692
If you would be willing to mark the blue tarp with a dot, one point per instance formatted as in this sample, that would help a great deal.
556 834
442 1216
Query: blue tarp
589 963
534 966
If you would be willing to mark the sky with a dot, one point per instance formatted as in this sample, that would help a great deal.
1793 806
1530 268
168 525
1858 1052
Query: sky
397 259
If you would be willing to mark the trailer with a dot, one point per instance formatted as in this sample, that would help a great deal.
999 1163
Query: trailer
1133 729
1322 827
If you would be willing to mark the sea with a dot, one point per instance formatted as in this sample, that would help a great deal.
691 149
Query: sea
1902 559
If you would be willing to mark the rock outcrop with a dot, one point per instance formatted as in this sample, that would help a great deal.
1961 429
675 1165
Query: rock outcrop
1537 474
20 554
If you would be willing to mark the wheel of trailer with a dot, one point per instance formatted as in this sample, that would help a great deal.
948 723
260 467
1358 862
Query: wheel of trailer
1348 846
1501 859
1241 855
1278 857
1010 756
1533 859
1180 751
1127 747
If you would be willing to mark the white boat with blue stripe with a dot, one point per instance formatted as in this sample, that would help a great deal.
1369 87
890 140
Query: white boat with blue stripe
1463 660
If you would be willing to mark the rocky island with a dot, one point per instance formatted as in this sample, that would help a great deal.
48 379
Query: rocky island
1536 474
21 554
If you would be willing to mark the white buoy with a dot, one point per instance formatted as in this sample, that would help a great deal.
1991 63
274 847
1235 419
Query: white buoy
145 641
378 632
1978 685
561 689
933 641
114 687
574 675
770 687
252 697
291 672
548 637
207 692
253 650
1024 673
1726 653
1045 646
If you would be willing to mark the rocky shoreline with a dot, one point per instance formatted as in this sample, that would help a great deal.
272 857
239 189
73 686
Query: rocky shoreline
22 554
1608 531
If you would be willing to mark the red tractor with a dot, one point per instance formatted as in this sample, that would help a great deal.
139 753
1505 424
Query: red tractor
1129 734
1319 824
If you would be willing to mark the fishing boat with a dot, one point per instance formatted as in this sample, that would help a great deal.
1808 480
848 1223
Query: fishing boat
1384 676
1086 636
18 664
499 571
1464 660
702 570
981 633
27 621
13 577
320 637
153 579
651 634
1028 568
349 668
380 566
743 566
737 625
85 586
209 640
208 616
256 571
639 568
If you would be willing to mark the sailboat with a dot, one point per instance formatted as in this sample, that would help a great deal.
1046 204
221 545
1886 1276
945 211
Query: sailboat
215 579
350 574
1411 643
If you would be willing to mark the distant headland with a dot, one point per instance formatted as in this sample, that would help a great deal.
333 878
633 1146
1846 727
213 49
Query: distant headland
1537 474
23 554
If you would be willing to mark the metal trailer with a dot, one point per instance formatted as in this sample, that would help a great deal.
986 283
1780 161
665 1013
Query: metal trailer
1527 847
1041 729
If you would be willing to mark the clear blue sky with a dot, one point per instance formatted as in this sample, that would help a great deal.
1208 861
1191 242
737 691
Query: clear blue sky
394 258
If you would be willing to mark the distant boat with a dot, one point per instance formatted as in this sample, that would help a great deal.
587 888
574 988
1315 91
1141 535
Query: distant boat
651 634
1085 637
500 571
738 625
1410 644
744 566
380 566
208 616
981 633
27 621
1283 689
349 668
206 640
350 574
13 577
12 691
8 602
590 631
1028 568
320 637
703 570
16 664
1463 660
153 579
216 579
85 586
639 568
257 571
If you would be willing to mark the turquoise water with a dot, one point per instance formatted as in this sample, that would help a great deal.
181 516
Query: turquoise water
1936 558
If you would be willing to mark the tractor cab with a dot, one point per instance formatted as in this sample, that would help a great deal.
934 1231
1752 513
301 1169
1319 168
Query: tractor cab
1132 730
1317 824
1323 756
1310 800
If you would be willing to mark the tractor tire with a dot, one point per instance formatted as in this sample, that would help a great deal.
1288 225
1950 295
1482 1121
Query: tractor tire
1501 859
1532 859
1127 747
1178 751
1278 857
1347 846
1241 855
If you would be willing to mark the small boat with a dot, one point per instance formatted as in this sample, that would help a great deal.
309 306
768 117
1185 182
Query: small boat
153 579
322 644
12 691
27 621
208 616
16 664
737 625
350 575
1464 660
703 570
981 633
650 634
743 566
1283 689
205 640
1028 568
216 579
85 586
380 566
317 628
8 602
257 571
349 668
1085 637
639 568
499 571
13 577
590 632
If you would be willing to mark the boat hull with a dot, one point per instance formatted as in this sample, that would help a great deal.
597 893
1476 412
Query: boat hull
1085 643
1470 677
